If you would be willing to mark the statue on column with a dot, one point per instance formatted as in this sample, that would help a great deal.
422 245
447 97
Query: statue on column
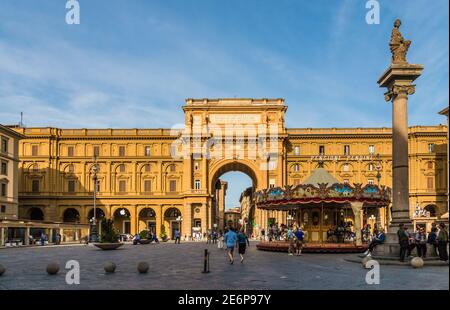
399 46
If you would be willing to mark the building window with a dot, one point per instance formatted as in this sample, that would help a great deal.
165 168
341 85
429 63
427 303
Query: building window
345 167
370 167
296 150
122 186
197 184
70 151
96 151
3 190
122 151
271 183
371 149
35 186
147 150
4 145
346 150
4 168
173 186
147 168
71 186
296 168
321 150
34 150
122 168
430 183
370 181
71 168
3 209
430 147
147 186
430 165
35 168
173 168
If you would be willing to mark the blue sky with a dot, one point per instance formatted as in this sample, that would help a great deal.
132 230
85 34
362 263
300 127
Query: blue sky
132 63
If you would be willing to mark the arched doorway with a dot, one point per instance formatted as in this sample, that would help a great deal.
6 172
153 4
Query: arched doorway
172 221
232 185
122 221
35 214
147 220
99 214
71 215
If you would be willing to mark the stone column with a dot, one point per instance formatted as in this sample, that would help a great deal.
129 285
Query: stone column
398 80
27 236
357 213
2 236
204 217
187 220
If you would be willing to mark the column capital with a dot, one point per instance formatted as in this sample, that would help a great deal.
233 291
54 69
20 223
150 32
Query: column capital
396 91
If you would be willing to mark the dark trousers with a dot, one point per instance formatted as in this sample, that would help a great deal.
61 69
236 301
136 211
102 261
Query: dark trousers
421 250
373 244
403 250
410 248
177 240
443 254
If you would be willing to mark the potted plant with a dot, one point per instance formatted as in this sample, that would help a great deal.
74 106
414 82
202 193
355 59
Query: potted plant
109 239
144 237
163 233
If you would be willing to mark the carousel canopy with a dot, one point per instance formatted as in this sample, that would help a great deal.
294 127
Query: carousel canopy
320 176
321 187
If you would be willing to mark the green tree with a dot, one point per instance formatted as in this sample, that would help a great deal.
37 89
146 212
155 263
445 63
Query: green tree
109 234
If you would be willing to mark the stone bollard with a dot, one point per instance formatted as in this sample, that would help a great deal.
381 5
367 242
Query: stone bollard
417 262
52 268
143 267
109 267
2 270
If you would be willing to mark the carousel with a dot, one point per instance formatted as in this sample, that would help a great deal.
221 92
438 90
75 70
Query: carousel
332 214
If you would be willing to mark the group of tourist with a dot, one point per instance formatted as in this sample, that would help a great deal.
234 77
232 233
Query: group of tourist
438 238
408 241
231 239
295 236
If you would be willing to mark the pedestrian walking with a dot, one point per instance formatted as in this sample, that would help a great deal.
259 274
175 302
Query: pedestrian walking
177 236
243 242
230 240
43 237
442 242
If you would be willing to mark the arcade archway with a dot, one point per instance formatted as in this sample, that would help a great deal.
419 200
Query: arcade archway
172 221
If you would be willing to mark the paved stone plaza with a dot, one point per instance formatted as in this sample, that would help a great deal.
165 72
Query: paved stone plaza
179 267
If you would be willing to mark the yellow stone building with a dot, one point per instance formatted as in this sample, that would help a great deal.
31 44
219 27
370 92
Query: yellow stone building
150 178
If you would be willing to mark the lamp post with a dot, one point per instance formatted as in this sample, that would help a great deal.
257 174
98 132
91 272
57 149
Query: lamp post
94 234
